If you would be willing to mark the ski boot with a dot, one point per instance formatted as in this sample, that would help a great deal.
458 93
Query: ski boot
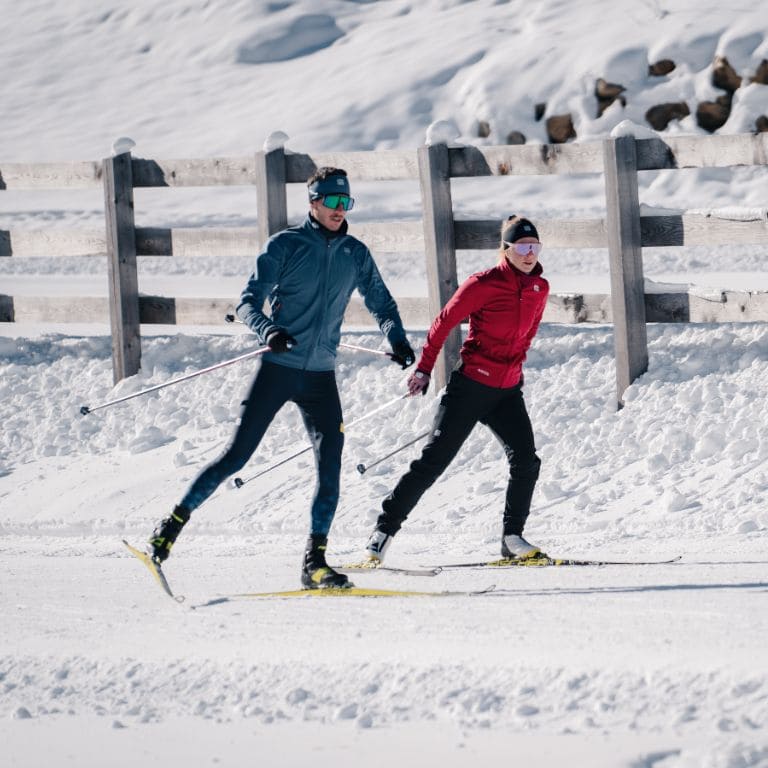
165 534
377 547
315 572
515 547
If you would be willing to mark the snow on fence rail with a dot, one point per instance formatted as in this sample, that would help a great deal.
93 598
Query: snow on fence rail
623 231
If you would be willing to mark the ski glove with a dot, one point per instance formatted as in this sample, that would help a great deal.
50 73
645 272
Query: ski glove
402 354
418 382
280 341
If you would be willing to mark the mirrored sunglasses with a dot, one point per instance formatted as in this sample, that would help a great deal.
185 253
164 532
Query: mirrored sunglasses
523 249
334 201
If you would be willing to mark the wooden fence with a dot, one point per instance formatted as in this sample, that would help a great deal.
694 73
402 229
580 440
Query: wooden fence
438 235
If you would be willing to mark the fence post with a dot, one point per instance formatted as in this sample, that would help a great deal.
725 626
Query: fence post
626 261
440 247
121 259
271 200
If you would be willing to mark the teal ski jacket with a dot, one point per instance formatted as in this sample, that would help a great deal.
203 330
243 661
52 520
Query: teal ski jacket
307 279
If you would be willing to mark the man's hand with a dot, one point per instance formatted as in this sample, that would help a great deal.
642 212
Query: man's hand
418 382
280 341
402 354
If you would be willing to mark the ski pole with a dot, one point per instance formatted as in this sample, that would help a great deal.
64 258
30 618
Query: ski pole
239 482
85 409
232 319
366 349
363 468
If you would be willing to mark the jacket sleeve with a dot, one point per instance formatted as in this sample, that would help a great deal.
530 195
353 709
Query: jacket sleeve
263 279
378 300
467 299
539 314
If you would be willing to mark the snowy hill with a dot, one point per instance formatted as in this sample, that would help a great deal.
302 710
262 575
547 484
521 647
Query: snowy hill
189 79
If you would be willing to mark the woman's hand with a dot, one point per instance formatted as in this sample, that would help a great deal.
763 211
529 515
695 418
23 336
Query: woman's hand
418 382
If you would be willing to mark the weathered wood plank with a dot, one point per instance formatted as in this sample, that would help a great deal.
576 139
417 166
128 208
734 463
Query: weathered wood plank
121 263
385 165
414 313
73 175
439 247
702 151
733 307
163 310
568 308
191 242
626 261
481 234
205 172
7 311
526 159
52 242
271 198
696 229
56 309
390 237
575 157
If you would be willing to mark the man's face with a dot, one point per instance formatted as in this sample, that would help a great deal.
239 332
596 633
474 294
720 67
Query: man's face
330 218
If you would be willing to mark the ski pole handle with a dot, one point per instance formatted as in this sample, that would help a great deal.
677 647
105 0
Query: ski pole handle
229 318
85 409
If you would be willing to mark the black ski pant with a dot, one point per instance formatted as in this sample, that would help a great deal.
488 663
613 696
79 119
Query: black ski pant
464 404
317 396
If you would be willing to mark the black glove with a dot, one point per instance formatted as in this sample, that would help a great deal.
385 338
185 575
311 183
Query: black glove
402 354
280 341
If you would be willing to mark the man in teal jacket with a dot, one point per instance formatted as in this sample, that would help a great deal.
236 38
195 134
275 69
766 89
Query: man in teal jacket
307 274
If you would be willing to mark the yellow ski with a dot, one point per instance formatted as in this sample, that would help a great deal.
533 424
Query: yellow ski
361 592
541 561
155 570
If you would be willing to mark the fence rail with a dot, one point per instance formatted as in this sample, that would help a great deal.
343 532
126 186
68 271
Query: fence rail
438 234
405 236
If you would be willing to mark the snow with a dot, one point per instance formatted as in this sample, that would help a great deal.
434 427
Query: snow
658 666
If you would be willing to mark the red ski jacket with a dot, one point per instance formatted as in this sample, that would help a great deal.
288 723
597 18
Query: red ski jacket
504 307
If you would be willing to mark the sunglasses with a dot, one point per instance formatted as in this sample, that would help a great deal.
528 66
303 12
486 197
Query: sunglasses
334 201
523 249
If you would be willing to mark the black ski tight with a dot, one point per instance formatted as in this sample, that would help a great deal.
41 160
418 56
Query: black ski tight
317 396
464 404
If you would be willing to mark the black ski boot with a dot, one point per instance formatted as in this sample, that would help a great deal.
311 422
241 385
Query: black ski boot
315 572
165 534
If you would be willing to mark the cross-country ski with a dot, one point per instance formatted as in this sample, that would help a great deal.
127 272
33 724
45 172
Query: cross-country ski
546 561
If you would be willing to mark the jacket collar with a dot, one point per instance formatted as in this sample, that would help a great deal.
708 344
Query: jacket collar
507 267
316 226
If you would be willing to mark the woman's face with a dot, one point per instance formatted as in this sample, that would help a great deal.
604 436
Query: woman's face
523 254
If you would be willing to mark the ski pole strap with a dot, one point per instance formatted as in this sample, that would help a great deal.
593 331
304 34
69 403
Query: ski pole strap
85 410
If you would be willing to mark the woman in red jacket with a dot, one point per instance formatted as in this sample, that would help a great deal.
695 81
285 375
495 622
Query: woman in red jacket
504 305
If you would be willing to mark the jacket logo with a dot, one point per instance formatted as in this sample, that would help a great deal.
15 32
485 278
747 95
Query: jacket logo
536 288
485 373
